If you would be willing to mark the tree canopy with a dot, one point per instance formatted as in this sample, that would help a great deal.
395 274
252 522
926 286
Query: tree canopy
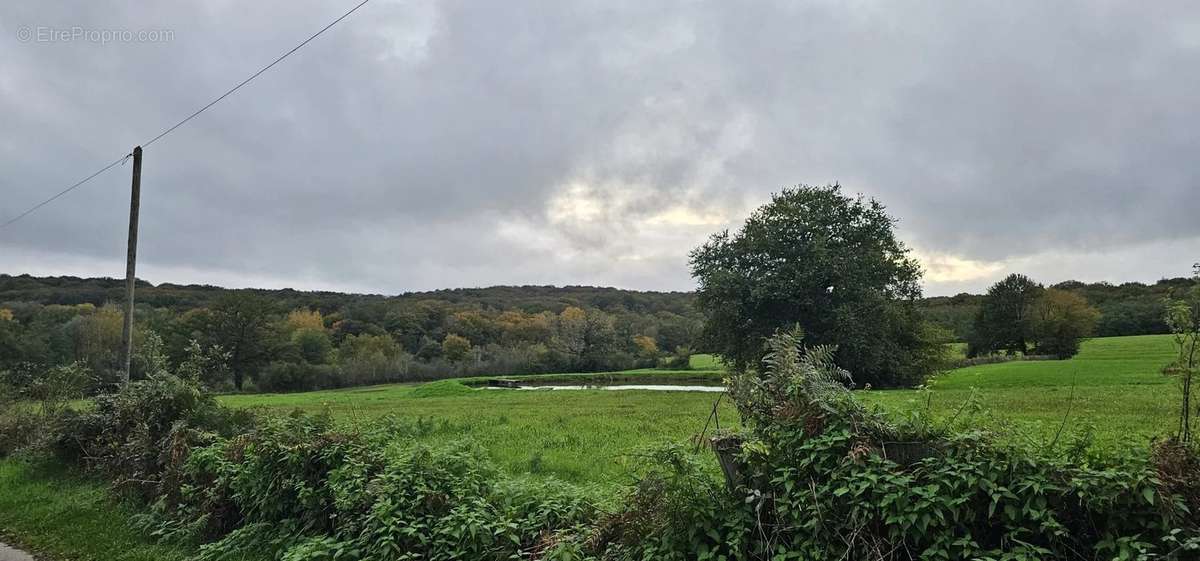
281 340
1018 312
829 263
1005 318
1061 321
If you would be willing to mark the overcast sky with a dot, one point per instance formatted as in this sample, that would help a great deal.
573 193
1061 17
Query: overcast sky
427 144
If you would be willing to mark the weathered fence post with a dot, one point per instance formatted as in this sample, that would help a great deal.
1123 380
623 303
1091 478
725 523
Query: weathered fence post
727 449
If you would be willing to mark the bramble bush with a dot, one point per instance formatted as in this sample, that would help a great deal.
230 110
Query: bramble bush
134 435
32 398
300 488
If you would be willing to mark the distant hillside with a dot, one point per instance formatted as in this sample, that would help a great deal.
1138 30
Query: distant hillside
69 290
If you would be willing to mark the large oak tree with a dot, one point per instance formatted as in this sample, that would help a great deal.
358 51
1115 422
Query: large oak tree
825 261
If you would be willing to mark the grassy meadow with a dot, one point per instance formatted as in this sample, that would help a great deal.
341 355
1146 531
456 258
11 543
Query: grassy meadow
1113 385
577 435
59 514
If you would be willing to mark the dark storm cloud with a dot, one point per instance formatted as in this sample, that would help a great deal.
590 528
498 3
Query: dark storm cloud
432 144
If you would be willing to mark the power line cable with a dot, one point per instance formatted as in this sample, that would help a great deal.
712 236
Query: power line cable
256 74
65 191
188 118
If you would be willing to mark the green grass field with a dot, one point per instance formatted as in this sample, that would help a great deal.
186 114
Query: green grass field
581 436
706 362
578 435
1113 384
60 515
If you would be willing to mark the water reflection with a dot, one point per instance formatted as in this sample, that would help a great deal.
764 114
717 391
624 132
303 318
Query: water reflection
616 387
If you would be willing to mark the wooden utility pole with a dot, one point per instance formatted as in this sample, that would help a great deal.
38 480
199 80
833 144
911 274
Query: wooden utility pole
131 263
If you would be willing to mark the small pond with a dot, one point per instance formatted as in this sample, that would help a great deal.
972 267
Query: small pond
617 387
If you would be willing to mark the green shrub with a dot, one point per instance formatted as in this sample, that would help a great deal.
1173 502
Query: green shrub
135 435
681 359
18 430
31 398
968 499
301 489
50 389
296 377
676 510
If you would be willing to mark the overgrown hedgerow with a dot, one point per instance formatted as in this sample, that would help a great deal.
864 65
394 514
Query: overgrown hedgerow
822 482
304 489
137 435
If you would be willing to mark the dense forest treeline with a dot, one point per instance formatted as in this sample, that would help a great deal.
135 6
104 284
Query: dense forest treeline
70 290
295 340
288 339
1130 308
